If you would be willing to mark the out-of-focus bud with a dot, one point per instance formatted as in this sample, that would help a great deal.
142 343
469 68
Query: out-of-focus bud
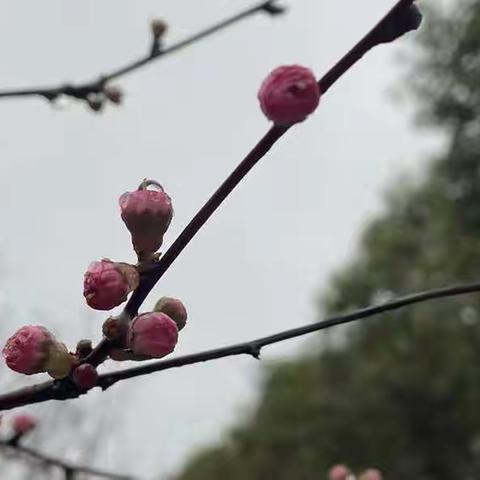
95 102
33 349
289 95
147 215
107 284
153 334
406 20
158 28
23 424
174 308
85 376
339 472
371 474
114 94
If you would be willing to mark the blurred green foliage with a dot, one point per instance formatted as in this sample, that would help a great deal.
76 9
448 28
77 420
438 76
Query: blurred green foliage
401 391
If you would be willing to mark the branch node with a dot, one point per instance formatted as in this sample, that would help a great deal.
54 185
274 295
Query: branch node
254 351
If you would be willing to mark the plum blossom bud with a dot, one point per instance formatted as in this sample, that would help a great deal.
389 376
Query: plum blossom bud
33 349
95 102
23 424
107 284
153 334
338 472
174 308
114 94
371 474
147 215
85 376
158 28
289 94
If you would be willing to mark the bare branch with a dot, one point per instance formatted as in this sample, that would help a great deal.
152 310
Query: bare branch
67 467
84 90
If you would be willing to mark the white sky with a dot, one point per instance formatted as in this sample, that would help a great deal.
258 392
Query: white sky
187 121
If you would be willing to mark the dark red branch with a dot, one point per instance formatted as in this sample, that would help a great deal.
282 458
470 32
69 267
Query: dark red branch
68 468
82 91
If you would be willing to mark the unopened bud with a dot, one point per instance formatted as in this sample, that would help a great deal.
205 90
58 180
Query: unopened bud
158 27
371 474
174 308
23 424
115 330
339 472
95 102
153 334
85 376
289 95
84 348
114 94
107 284
147 215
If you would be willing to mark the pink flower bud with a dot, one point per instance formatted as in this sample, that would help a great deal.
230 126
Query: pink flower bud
174 308
33 349
289 94
23 423
27 350
107 284
147 215
85 376
371 474
338 472
153 334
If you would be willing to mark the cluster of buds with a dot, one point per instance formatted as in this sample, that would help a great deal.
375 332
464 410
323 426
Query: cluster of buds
342 472
23 424
147 213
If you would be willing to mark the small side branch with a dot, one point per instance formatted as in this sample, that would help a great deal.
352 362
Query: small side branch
69 469
93 91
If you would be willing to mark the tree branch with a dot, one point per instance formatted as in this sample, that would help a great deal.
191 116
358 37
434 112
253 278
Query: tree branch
58 390
65 388
67 467
83 90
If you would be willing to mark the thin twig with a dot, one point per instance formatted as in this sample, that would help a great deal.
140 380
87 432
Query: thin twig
83 90
45 391
65 388
65 466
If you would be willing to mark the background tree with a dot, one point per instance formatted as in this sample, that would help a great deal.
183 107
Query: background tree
399 392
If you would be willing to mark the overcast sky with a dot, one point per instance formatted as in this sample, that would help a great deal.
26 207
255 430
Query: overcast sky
187 120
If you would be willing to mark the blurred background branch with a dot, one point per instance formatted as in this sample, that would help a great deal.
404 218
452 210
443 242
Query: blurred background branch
97 92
